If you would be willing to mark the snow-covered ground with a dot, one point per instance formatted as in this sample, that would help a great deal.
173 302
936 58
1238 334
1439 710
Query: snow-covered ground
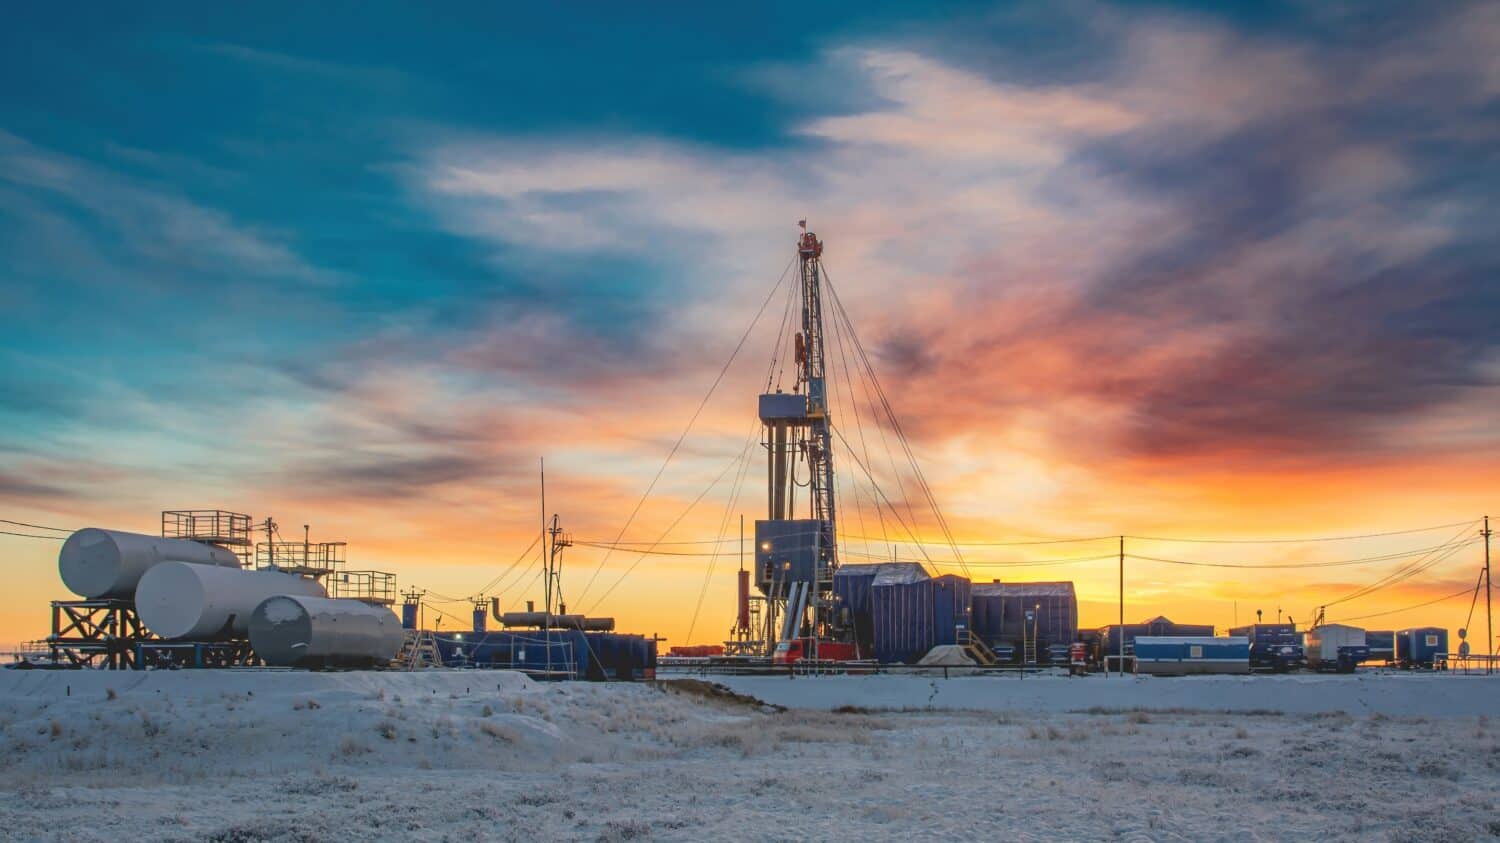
1392 693
252 755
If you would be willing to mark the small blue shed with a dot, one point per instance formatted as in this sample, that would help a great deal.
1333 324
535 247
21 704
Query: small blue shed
1422 646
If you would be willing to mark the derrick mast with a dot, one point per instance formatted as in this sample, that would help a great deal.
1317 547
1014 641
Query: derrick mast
795 548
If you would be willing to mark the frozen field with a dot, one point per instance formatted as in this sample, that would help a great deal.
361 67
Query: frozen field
249 756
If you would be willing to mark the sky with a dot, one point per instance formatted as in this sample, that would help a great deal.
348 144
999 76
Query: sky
1147 269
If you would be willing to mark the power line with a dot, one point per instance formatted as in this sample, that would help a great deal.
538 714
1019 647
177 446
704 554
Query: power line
1299 541
874 380
1364 560
691 421
1406 571
1115 536
1013 564
670 527
1080 540
32 535
1466 590
506 573
734 495
33 526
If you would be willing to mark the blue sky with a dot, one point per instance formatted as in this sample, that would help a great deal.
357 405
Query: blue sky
368 261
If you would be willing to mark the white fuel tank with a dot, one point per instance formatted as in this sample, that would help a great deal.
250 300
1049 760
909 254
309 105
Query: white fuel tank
292 630
109 563
203 602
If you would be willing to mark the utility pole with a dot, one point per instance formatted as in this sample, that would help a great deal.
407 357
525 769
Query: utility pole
546 548
1122 606
1489 617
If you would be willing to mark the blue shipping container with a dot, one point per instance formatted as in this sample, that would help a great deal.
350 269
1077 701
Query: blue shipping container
999 610
559 653
852 584
901 603
1421 646
950 607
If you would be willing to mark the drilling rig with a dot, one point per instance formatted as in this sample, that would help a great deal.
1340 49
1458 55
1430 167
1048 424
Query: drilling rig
796 552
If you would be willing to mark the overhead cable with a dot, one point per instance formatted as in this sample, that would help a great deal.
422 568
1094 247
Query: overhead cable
691 421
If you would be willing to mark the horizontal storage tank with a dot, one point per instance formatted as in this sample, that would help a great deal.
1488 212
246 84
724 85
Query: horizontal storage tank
1335 646
297 631
99 563
206 602
1421 646
1179 655
537 620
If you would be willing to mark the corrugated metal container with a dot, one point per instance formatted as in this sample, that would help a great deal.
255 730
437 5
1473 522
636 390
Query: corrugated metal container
1322 644
604 655
1421 646
901 606
851 588
1382 644
852 591
787 550
554 653
1277 646
783 406
1178 655
998 613
644 666
951 596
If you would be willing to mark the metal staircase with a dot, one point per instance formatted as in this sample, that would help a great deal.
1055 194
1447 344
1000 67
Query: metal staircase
417 651
975 647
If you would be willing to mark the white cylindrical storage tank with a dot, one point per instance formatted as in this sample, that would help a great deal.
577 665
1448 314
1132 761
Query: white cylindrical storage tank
203 602
109 563
291 630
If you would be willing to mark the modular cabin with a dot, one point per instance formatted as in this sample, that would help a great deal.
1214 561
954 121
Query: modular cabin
1180 655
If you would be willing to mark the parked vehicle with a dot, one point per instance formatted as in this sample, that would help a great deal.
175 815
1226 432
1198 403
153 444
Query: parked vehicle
1276 647
1336 647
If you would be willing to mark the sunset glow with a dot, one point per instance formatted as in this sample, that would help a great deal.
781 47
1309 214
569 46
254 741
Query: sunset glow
1160 273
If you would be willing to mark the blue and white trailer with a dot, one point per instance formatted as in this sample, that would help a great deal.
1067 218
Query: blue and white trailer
1179 655
1422 647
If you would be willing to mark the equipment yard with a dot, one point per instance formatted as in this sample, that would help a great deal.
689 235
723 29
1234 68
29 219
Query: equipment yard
272 755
